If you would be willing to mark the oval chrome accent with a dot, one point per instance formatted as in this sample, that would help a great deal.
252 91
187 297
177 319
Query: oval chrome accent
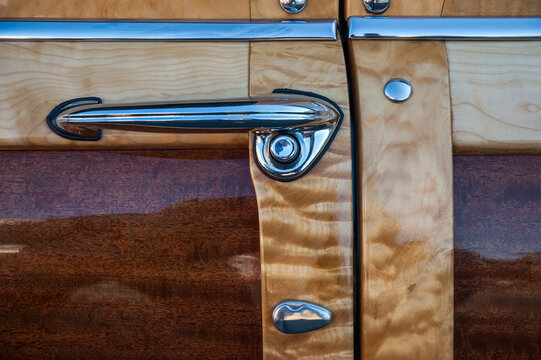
376 6
295 316
293 6
397 90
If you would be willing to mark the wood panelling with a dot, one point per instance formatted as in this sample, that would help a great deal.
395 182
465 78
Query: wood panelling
497 206
315 9
495 95
306 225
406 200
164 9
397 8
492 8
126 9
117 255
450 8
35 77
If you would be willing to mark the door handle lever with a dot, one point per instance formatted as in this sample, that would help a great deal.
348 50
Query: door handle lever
290 133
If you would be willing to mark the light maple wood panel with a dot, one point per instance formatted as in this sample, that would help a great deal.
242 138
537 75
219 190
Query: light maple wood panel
492 8
406 200
315 9
496 96
124 9
306 225
450 8
397 8
37 76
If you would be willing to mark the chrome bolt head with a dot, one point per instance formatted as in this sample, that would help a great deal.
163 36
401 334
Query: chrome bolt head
376 6
284 148
398 90
293 6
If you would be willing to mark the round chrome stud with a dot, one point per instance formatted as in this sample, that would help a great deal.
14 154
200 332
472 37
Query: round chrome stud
376 6
398 90
284 148
293 6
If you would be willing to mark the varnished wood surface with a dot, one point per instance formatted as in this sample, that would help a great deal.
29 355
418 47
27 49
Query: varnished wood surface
164 9
126 9
492 8
397 8
497 207
124 255
449 8
306 225
35 77
406 202
314 9
495 94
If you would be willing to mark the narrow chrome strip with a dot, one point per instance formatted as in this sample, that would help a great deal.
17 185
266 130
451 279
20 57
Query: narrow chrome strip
397 28
166 31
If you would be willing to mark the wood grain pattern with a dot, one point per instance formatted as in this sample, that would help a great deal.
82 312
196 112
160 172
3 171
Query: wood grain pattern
397 8
406 201
126 9
492 8
497 207
129 255
314 9
449 8
495 92
306 225
35 77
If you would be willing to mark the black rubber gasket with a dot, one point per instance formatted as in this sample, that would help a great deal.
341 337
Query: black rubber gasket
313 95
65 106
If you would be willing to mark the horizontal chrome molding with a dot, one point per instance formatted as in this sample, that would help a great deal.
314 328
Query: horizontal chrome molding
442 28
13 30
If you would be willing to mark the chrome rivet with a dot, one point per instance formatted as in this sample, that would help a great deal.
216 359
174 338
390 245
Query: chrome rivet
398 90
376 6
284 148
294 317
293 6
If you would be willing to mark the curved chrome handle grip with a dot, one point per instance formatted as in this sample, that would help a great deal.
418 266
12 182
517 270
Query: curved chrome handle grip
310 119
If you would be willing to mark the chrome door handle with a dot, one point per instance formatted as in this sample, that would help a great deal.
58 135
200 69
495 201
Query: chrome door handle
290 132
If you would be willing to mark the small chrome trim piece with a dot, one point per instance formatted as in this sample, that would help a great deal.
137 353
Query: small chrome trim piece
284 148
293 6
376 6
442 28
310 121
14 30
294 317
397 90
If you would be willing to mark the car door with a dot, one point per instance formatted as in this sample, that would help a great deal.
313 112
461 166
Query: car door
145 244
447 110
270 179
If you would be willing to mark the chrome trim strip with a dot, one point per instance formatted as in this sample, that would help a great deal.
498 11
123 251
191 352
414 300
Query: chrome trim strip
441 28
12 30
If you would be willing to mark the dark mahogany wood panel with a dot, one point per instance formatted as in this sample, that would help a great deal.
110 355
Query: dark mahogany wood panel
129 255
497 202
